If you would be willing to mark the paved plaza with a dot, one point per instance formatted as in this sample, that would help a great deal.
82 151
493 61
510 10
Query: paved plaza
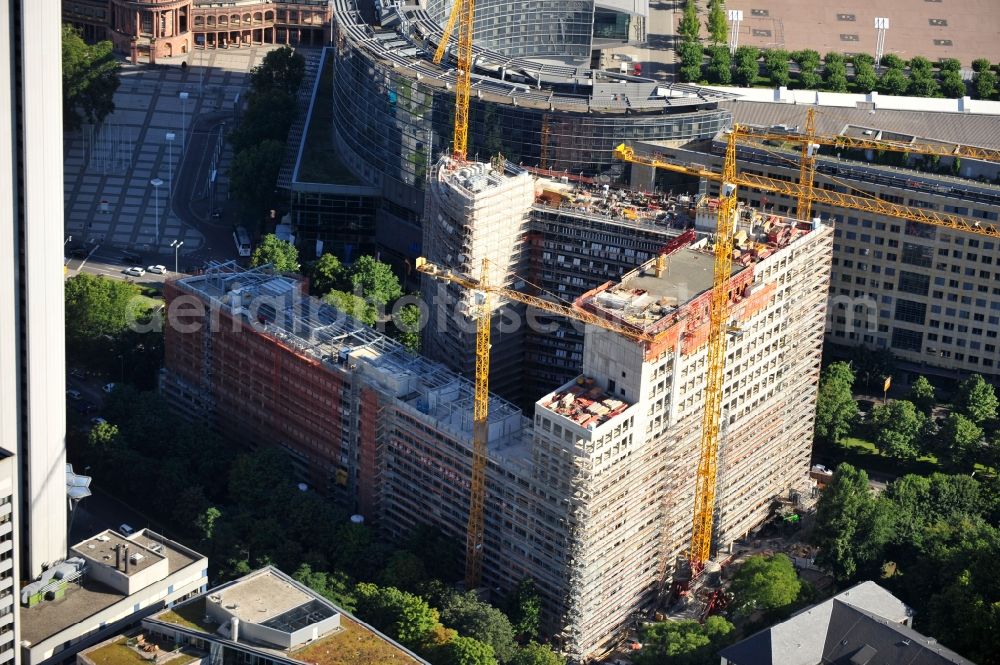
109 198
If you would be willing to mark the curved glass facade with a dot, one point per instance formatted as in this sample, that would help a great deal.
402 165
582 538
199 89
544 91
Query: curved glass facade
391 126
524 28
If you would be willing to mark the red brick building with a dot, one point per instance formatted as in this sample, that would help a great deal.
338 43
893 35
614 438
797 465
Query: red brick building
147 30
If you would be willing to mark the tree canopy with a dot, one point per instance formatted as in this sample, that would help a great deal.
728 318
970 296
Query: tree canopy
253 174
685 642
836 409
717 25
374 281
279 253
898 429
473 618
977 400
282 69
922 395
689 27
90 79
325 273
765 583
353 306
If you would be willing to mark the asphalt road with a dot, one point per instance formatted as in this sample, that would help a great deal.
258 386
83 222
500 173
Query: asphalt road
192 201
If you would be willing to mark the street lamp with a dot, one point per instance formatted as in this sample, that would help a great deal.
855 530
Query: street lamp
184 98
157 183
735 17
881 25
170 163
176 244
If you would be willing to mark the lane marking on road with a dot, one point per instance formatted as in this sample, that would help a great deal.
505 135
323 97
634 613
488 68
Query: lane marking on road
84 262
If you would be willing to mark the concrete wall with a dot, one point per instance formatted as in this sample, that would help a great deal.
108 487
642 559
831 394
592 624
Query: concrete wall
32 420
153 598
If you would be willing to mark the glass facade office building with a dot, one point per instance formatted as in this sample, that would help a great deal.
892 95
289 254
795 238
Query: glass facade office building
393 112
526 28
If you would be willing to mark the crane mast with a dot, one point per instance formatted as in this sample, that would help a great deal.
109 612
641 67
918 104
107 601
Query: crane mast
707 472
704 497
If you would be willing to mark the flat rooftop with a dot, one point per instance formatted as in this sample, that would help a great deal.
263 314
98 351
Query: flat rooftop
352 644
88 597
100 550
585 403
311 328
642 298
261 598
963 29
51 617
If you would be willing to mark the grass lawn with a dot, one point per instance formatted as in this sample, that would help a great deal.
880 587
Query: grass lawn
117 653
191 615
862 454
352 644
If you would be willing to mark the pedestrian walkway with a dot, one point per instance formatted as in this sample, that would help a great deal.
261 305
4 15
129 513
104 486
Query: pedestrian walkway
119 177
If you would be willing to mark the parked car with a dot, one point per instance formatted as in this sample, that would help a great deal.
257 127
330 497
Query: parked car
109 388
73 394
126 530
135 271
97 420
157 270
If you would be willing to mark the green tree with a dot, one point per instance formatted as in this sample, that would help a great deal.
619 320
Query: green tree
960 439
747 67
534 653
404 570
923 85
374 281
690 28
464 651
842 524
984 84
977 400
90 77
97 307
685 642
335 586
268 117
471 617
353 306
525 609
282 69
279 253
253 176
808 62
403 616
325 274
872 366
865 78
952 84
104 440
776 63
206 521
949 65
691 55
835 72
922 395
720 65
718 26
898 426
981 65
893 61
765 583
406 323
893 82
836 409
921 66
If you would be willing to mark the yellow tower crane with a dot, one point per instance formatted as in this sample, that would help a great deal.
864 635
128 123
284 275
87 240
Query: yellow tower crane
484 292
702 525
462 14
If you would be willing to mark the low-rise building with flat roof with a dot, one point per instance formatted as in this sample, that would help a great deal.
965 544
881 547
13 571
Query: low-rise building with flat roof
268 618
108 583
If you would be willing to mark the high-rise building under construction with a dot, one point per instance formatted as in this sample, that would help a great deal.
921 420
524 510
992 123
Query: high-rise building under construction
592 495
